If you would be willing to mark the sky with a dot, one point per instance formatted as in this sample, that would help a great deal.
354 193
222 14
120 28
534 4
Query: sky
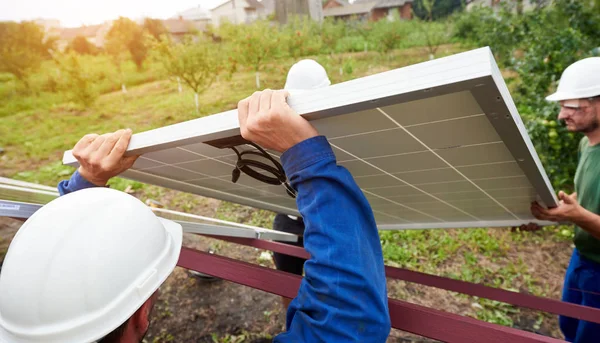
73 13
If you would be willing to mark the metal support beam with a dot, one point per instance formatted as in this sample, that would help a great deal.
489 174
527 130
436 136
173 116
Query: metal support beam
408 317
22 210
16 209
514 298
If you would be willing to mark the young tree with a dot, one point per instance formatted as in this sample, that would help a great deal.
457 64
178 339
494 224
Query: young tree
23 47
76 80
301 38
441 8
331 32
155 28
82 46
435 32
126 35
386 34
254 44
118 55
197 64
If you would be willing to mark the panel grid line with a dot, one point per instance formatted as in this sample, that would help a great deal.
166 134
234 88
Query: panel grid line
210 177
446 162
393 216
362 133
217 158
160 164
250 200
446 120
206 157
432 169
470 145
499 189
422 151
461 200
401 205
205 176
484 164
408 184
447 182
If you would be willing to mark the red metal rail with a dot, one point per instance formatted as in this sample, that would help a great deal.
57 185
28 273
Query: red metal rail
514 298
420 320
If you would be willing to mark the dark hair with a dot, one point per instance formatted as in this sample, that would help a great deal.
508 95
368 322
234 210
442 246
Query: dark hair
115 335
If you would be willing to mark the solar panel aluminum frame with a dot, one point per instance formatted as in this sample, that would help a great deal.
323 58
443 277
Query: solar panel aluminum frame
24 184
22 210
475 71
15 196
231 229
17 209
27 195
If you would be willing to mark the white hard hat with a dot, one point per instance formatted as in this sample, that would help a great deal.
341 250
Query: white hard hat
305 75
579 81
82 265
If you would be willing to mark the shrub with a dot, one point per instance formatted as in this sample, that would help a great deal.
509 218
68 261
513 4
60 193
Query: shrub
539 45
77 80
196 63
387 34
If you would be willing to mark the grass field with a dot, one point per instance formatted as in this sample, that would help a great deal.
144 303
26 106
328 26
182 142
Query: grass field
36 128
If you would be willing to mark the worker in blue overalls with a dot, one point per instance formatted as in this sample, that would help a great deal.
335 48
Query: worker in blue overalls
87 266
304 75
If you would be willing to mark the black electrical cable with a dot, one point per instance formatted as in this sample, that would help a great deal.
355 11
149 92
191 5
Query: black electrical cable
245 165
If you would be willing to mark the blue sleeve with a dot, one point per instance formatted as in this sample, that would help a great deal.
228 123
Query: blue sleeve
343 296
75 183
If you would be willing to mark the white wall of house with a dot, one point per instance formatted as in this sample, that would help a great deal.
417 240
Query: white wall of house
234 11
315 8
100 38
527 4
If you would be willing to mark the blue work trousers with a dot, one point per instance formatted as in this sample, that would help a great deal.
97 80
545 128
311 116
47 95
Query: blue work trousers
582 287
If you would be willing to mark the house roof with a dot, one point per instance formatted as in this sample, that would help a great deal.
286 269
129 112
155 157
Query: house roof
85 31
269 5
194 13
251 4
342 2
385 3
254 3
355 8
175 26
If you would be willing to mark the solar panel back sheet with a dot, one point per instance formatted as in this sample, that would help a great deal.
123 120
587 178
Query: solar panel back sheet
438 144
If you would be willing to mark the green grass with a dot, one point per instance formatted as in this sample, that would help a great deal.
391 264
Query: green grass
484 256
243 214
38 136
45 90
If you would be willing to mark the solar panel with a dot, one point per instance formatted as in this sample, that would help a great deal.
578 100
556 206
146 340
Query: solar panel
438 144
20 199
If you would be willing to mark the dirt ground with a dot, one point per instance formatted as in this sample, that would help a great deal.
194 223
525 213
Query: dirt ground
194 310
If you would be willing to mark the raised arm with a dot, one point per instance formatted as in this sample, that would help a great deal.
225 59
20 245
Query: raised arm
342 297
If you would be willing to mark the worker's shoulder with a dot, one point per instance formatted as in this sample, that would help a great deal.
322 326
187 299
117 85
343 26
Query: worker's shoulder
583 143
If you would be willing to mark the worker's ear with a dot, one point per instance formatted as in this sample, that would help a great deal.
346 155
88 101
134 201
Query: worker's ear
141 318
